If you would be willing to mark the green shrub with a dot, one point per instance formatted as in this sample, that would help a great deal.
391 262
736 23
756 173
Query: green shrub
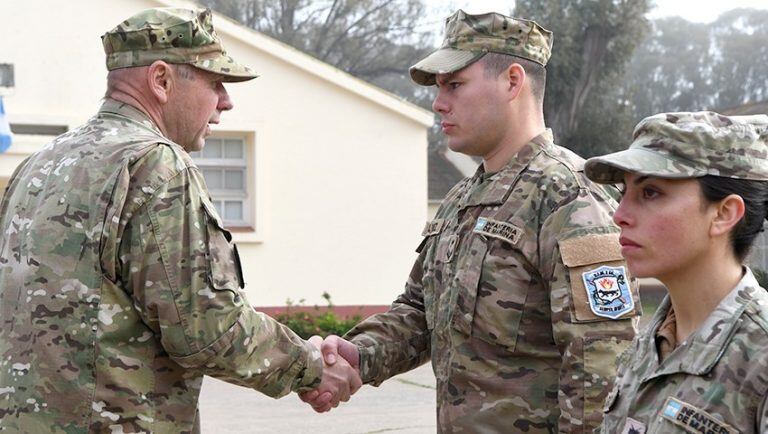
318 321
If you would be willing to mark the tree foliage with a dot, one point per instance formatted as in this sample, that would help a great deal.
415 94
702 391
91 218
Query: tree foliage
685 66
593 43
375 40
609 68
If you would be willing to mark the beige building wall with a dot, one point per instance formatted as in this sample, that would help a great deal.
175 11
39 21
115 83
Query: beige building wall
339 175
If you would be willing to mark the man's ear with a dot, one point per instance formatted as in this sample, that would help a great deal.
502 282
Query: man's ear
515 79
728 213
160 80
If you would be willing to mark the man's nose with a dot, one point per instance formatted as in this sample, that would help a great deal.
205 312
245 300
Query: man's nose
225 102
439 105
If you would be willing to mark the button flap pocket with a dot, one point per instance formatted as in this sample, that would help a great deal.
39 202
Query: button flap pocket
224 270
430 307
213 216
600 365
468 274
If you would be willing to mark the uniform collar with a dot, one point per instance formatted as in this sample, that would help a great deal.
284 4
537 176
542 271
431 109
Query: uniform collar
114 107
493 189
704 348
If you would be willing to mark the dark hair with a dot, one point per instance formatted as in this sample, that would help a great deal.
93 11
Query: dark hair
496 63
755 195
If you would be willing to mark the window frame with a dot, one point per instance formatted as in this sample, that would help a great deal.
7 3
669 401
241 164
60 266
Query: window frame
7 78
250 229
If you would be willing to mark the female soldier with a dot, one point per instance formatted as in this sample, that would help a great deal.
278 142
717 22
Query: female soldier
694 200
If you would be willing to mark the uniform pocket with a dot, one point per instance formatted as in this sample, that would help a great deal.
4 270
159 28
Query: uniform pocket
597 354
466 281
600 285
611 422
224 269
429 300
428 279
492 287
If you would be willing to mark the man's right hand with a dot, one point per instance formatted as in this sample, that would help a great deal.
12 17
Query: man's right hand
334 346
341 377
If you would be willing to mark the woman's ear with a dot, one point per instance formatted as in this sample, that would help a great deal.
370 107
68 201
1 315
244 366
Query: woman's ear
728 213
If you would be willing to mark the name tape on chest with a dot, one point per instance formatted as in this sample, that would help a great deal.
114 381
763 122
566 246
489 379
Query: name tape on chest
694 420
433 227
633 427
608 291
496 229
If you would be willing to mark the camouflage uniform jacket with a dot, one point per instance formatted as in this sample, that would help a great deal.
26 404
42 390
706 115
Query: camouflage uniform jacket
496 300
715 382
119 289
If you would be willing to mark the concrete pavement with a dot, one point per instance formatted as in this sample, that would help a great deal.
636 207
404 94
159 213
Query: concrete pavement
402 405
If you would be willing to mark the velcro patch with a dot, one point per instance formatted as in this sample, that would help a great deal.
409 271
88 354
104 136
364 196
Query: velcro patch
585 254
694 420
608 291
496 229
633 427
433 227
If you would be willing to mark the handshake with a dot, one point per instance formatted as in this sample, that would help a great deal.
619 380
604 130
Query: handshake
341 373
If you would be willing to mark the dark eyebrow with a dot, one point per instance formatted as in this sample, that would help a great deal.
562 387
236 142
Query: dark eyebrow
640 180
444 78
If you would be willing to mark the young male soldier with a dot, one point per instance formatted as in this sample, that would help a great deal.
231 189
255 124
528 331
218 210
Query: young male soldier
519 294
119 287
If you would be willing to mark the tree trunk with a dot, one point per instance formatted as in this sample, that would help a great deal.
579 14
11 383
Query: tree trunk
565 119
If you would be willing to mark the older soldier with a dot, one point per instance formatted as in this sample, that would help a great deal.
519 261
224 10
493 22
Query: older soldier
519 294
119 287
696 197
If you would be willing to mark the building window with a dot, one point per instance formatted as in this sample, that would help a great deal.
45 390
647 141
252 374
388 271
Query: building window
6 75
224 164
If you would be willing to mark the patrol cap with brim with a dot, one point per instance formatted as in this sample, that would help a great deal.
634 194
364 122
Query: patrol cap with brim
174 35
689 145
470 37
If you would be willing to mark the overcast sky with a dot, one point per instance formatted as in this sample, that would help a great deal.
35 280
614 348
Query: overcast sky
691 10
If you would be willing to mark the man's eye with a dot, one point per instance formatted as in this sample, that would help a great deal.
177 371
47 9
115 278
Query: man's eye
454 84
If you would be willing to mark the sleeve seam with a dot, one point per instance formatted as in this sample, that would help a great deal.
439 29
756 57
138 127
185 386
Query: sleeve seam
172 278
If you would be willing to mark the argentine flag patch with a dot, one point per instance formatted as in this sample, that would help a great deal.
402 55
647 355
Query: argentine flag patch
693 419
672 408
608 291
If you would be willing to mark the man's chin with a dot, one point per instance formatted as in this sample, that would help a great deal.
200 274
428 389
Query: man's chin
456 146
462 148
197 145
194 147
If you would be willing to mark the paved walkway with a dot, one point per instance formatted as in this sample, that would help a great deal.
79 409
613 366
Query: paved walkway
402 405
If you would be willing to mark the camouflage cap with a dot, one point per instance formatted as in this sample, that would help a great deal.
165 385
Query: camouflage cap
690 145
470 37
174 35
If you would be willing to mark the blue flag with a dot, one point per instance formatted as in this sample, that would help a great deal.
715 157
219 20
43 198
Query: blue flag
5 129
